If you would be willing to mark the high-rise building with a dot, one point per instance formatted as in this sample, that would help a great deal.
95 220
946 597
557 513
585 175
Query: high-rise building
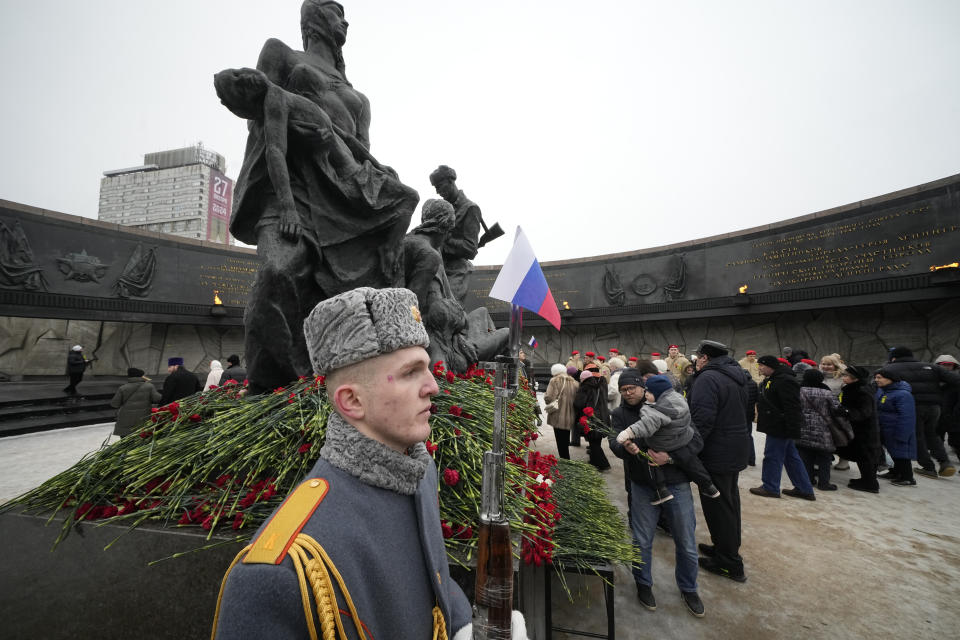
183 192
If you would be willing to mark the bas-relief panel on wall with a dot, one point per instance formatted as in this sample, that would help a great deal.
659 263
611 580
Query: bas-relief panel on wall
40 254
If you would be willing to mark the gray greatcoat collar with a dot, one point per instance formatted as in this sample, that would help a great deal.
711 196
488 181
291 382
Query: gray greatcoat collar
372 462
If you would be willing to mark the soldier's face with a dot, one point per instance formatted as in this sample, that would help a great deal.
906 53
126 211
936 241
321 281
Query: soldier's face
447 189
397 402
673 351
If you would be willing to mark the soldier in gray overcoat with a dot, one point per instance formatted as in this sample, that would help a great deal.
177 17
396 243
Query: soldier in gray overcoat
369 506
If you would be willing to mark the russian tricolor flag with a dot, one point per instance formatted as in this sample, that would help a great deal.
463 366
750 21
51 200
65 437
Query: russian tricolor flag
521 282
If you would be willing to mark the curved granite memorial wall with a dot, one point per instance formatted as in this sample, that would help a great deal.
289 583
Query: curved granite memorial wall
854 280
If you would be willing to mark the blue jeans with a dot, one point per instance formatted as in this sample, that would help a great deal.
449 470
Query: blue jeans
780 453
683 524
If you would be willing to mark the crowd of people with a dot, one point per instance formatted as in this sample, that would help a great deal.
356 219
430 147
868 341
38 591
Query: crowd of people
674 420
138 395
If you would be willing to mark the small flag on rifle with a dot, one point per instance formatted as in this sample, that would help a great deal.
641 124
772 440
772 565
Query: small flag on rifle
533 342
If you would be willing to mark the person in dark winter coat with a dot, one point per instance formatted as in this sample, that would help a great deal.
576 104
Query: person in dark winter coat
133 401
76 365
856 399
950 407
780 417
718 407
180 383
896 414
592 394
234 372
665 425
817 404
927 382
641 490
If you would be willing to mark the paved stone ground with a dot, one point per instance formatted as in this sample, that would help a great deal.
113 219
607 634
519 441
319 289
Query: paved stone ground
850 565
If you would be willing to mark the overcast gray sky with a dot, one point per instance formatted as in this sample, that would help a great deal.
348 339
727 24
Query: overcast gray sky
600 127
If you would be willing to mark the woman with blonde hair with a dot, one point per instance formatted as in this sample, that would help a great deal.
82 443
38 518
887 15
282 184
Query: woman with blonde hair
832 367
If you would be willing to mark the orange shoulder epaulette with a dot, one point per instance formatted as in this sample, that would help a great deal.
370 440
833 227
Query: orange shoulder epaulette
271 546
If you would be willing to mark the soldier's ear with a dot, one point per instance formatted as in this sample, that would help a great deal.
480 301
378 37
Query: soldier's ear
348 401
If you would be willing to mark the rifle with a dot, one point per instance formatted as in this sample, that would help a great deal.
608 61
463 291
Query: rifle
494 586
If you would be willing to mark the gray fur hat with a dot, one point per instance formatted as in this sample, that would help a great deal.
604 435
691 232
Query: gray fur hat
362 324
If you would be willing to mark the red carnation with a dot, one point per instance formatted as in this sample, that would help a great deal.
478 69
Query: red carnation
446 528
586 429
588 411
431 448
451 477
146 434
465 534
583 421
305 447
450 377
455 410
195 417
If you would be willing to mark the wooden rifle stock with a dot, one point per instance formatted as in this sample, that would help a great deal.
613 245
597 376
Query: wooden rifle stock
494 586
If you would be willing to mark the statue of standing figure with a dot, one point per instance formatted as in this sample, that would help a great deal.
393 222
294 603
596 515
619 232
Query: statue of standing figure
457 338
462 245
325 215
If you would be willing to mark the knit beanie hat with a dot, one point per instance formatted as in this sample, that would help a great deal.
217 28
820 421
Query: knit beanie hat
658 384
769 361
175 361
361 324
889 374
630 377
572 371
557 369
812 378
585 375
947 359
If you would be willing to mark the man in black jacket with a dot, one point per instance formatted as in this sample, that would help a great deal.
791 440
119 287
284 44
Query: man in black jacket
76 365
643 515
718 406
927 381
234 372
780 416
180 383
